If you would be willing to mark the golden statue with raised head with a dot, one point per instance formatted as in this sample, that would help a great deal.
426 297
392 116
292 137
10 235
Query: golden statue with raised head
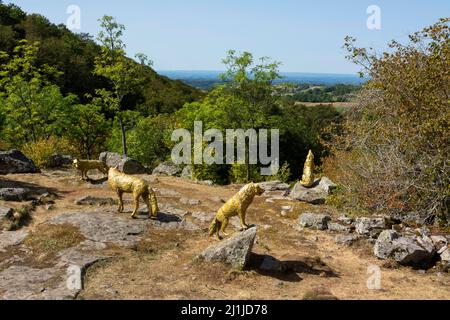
85 165
236 206
308 171
122 183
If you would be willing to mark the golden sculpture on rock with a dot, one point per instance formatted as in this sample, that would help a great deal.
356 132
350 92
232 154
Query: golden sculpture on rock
122 183
85 165
236 206
308 171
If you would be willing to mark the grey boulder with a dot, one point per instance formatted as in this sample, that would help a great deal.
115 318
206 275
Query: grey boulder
124 164
316 194
14 161
234 251
274 186
15 194
6 212
314 220
167 168
370 227
405 250
60 160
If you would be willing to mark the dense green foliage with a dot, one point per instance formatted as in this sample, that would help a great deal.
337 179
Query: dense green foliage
55 84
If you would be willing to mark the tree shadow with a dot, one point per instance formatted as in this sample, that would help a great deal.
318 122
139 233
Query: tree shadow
289 270
160 217
97 181
33 190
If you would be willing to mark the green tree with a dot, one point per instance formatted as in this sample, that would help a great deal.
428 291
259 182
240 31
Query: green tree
252 84
87 130
32 107
124 74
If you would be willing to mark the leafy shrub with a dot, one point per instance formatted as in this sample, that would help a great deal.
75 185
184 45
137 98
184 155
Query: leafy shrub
392 155
42 150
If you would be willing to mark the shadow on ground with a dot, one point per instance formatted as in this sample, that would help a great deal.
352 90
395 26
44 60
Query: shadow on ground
289 270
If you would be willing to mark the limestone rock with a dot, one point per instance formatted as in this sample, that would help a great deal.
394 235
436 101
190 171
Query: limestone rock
274 186
11 238
346 239
94 201
234 251
337 227
314 220
6 212
60 160
124 164
167 168
14 161
316 194
370 227
405 250
15 194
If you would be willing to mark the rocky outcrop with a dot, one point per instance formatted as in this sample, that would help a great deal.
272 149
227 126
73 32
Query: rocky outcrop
187 173
6 212
124 164
316 194
11 238
346 240
370 227
14 161
167 168
234 251
415 252
314 220
274 186
94 201
15 194
338 227
60 160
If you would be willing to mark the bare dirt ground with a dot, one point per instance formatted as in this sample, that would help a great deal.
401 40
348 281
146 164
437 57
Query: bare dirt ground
162 265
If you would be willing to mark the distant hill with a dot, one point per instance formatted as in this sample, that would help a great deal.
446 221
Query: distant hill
207 79
74 54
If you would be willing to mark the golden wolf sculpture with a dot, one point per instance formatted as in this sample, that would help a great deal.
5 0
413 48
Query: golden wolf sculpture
236 206
85 165
308 171
122 183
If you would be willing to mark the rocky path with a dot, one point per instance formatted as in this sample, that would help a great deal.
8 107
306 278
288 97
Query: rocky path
79 238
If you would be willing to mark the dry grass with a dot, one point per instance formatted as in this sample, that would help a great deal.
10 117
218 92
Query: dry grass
48 240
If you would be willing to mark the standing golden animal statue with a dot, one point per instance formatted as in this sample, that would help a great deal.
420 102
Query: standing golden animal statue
308 171
122 183
236 206
85 165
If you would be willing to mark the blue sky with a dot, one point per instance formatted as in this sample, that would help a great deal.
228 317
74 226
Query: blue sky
306 36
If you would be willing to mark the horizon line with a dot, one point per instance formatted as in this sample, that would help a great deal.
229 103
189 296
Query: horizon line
282 72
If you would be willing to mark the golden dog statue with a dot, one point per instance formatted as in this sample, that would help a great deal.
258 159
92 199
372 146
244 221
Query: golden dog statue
85 165
308 171
122 183
236 206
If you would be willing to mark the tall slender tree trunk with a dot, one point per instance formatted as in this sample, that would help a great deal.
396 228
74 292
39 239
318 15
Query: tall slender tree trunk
247 160
124 136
